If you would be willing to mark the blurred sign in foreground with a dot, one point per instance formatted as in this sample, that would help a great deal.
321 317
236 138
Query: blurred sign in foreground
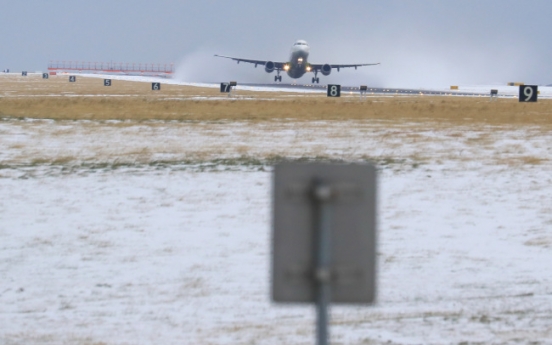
324 236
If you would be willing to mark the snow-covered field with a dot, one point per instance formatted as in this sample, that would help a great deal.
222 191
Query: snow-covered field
159 233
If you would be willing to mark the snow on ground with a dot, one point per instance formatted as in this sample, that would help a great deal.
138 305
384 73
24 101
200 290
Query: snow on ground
503 90
73 143
167 249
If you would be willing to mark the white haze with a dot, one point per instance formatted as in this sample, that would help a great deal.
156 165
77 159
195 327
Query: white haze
409 64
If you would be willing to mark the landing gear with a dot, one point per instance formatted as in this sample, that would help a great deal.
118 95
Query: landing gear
315 79
278 77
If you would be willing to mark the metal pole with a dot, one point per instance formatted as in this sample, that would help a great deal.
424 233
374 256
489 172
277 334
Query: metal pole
323 195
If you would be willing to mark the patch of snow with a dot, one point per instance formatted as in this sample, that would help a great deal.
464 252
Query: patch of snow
172 254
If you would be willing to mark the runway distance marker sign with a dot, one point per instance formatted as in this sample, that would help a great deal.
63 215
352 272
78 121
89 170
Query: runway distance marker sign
72 78
225 87
334 90
528 93
45 76
156 86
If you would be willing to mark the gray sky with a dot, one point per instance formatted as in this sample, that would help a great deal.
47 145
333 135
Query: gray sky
419 43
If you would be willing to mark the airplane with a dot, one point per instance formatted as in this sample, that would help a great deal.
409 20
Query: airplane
298 64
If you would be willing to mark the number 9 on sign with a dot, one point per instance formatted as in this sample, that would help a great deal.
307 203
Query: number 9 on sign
334 90
528 93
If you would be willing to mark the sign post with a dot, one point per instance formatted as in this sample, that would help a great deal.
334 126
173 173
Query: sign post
324 236
494 94
227 87
232 84
363 91
322 194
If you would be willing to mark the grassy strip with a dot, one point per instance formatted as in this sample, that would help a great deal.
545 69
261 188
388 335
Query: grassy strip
33 97
241 161
451 109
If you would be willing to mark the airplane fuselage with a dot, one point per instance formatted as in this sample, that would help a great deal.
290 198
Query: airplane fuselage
298 61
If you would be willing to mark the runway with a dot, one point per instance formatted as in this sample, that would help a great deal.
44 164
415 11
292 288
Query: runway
504 91
370 90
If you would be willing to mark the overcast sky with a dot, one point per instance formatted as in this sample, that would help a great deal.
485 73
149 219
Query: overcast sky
419 43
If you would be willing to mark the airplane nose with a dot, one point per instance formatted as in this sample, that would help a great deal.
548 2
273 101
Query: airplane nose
301 48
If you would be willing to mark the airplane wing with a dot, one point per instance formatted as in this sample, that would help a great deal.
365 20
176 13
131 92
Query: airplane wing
277 65
318 67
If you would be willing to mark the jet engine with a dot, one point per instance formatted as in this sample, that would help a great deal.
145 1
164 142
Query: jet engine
326 69
269 67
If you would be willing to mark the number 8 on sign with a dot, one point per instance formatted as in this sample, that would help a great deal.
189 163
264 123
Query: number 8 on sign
334 90
528 93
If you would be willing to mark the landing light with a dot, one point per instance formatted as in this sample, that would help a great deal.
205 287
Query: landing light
286 67
309 68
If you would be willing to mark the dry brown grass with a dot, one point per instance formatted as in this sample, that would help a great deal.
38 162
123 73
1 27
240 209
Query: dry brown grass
33 97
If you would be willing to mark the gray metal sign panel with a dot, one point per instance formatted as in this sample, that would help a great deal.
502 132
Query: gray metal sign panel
353 232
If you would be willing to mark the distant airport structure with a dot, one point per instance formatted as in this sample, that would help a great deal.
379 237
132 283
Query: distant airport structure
120 68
